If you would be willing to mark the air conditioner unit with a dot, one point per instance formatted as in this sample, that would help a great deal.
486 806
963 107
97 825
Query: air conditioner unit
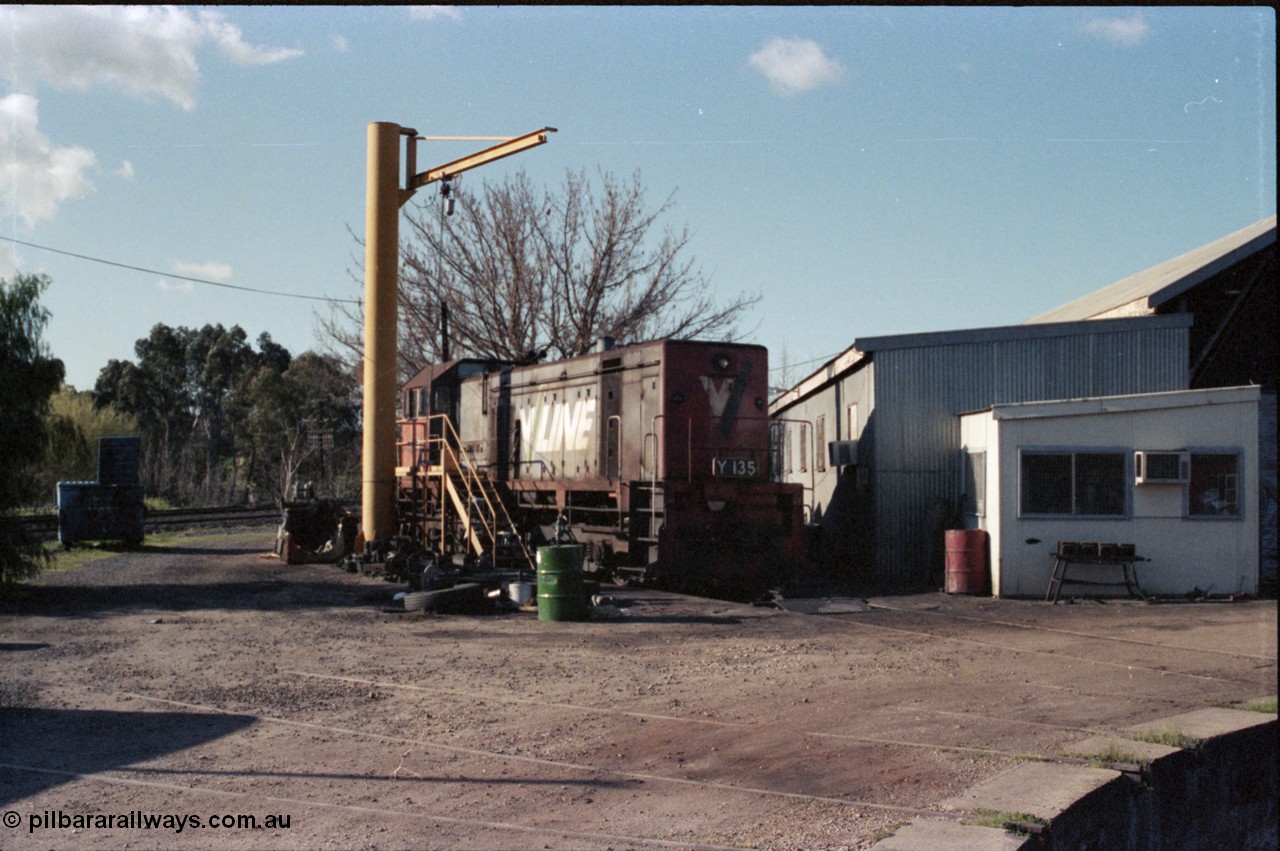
842 453
1152 467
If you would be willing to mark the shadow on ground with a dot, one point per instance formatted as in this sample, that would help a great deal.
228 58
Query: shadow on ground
106 741
265 594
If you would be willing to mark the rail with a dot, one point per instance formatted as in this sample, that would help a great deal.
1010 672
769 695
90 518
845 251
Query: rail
45 526
806 453
769 468
690 448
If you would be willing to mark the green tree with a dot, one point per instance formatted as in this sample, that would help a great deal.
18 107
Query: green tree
29 376
75 424
180 389
302 424
218 416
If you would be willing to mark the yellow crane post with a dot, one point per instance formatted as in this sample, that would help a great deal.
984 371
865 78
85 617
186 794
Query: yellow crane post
384 197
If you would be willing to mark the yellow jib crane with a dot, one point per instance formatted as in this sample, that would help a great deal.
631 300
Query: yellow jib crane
384 196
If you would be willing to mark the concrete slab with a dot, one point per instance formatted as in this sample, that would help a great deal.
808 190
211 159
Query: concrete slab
1206 723
825 605
1043 789
951 836
1119 747
910 603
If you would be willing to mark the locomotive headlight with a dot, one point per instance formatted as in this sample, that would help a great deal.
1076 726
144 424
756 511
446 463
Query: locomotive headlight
721 362
716 504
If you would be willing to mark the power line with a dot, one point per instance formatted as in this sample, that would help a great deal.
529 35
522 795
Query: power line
179 277
802 363
268 292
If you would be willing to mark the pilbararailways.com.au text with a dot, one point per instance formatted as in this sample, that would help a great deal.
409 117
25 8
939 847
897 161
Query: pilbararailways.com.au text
139 820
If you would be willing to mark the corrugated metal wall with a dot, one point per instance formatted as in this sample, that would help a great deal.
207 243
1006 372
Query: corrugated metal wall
920 391
1267 523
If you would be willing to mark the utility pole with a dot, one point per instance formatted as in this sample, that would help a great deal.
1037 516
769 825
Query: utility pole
384 196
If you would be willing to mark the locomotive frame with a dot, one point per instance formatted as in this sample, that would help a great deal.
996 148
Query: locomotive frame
657 456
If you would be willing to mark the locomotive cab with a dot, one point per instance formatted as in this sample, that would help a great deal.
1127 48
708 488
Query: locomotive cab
436 391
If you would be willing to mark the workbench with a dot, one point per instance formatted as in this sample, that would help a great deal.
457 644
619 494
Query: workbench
1092 555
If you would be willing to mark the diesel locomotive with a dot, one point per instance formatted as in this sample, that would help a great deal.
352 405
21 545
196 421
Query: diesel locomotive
655 456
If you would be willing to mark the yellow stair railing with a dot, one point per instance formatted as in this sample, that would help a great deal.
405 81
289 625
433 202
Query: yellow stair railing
466 488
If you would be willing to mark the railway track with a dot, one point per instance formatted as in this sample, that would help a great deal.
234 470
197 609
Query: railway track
45 526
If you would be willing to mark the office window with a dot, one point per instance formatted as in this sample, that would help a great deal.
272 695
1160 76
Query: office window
1214 487
1090 484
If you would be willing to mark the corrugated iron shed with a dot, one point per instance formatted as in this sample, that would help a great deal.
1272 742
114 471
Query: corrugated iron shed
1146 291
909 390
923 381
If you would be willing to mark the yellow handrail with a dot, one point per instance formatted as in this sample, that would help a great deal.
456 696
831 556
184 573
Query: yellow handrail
455 458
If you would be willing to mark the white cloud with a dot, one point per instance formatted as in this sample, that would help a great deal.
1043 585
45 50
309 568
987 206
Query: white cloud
208 271
37 177
125 170
141 50
435 13
340 44
1125 31
167 286
794 65
233 48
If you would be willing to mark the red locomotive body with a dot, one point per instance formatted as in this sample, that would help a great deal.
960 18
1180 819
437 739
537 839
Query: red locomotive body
656 456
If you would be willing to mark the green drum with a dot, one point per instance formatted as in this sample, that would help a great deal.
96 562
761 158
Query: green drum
562 593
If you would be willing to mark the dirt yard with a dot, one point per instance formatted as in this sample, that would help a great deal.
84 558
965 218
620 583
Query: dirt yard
200 680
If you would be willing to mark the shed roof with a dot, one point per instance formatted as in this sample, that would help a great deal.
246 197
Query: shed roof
1017 332
860 353
1147 290
1117 404
839 366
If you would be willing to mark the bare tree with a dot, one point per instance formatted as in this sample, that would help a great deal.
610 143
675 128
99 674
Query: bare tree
522 274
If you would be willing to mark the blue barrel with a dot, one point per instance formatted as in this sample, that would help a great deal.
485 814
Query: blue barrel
76 511
562 594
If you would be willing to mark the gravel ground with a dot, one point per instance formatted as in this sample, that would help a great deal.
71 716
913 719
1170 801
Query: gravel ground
202 679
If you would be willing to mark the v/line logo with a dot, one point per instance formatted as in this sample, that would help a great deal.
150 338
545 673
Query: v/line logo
557 426
566 425
717 395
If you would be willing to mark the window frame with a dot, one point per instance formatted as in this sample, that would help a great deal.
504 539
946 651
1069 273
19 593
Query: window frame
1126 481
1241 502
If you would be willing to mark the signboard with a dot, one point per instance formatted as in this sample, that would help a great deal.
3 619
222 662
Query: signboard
734 468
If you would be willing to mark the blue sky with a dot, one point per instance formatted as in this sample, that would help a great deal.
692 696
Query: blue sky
865 170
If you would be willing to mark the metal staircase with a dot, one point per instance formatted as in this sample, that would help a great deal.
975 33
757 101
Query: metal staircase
472 509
